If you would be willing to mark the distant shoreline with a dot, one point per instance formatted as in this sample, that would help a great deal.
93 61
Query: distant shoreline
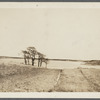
3 57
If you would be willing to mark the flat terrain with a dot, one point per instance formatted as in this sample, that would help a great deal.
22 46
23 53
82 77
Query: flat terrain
59 76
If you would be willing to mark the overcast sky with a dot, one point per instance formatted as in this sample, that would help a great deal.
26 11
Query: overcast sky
71 33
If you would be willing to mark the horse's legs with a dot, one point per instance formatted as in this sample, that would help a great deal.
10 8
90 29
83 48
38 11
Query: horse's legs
25 61
33 62
28 61
40 63
46 64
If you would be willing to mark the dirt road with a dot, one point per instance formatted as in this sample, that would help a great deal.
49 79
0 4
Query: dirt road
78 80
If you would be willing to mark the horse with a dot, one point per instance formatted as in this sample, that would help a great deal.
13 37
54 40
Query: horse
26 56
42 60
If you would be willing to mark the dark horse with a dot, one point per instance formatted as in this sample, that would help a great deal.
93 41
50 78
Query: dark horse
26 57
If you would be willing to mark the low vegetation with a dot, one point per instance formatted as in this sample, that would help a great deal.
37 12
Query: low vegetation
93 62
15 76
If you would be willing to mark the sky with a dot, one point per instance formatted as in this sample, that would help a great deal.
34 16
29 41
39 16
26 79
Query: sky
63 33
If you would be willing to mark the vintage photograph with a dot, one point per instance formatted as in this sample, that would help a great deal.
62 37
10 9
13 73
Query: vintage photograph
50 49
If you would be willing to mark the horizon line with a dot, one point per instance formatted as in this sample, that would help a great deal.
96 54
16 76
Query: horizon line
62 59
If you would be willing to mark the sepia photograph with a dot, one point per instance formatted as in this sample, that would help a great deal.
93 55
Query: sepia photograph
50 48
